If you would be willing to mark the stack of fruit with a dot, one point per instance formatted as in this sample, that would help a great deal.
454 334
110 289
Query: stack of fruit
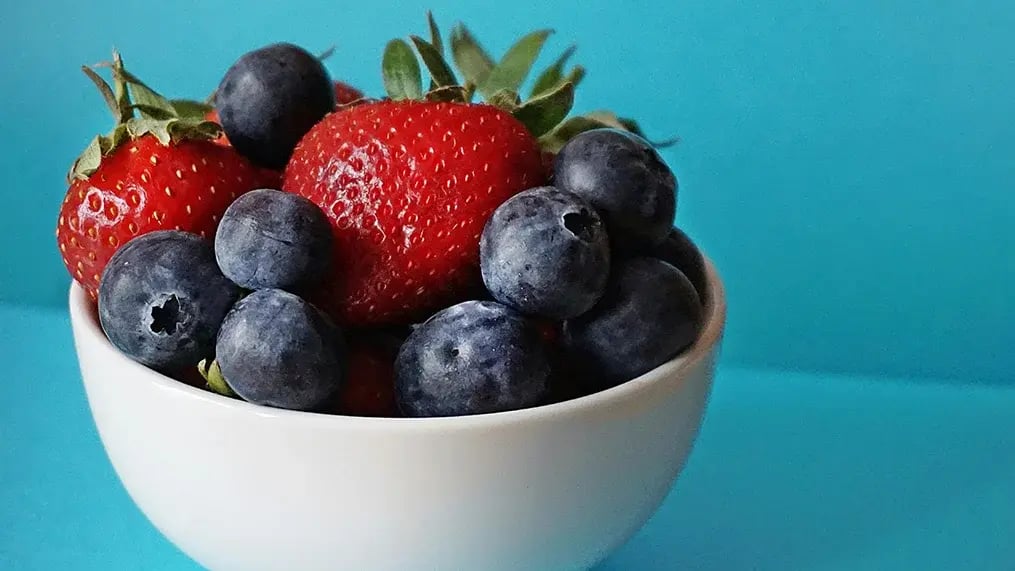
422 254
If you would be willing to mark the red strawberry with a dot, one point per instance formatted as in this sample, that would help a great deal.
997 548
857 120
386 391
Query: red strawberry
550 331
346 94
408 187
409 182
369 389
149 174
213 116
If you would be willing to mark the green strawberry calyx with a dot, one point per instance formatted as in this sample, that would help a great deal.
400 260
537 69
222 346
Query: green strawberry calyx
544 112
139 110
213 377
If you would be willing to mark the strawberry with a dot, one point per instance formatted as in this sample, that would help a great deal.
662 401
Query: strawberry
369 389
213 117
157 171
346 94
550 331
408 187
409 182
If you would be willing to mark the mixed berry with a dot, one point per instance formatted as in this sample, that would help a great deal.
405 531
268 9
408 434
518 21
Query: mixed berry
473 357
270 98
273 239
276 349
545 252
422 254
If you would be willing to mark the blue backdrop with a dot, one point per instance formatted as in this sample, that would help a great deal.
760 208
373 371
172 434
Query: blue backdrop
849 165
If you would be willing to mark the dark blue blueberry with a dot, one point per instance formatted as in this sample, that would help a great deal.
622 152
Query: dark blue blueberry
275 349
162 299
626 180
545 252
472 358
649 314
270 98
273 239
681 252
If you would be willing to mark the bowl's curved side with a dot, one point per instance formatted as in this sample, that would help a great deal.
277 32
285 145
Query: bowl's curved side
244 488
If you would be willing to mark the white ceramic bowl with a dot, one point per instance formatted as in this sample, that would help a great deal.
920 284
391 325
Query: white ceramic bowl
240 487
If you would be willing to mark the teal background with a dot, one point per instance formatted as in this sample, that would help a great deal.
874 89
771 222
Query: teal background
849 165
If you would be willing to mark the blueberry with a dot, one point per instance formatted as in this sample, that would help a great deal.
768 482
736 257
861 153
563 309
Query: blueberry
681 252
545 252
472 358
162 299
625 179
270 98
649 314
275 349
273 239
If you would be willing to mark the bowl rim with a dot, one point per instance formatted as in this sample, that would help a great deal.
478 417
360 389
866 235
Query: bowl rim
84 321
